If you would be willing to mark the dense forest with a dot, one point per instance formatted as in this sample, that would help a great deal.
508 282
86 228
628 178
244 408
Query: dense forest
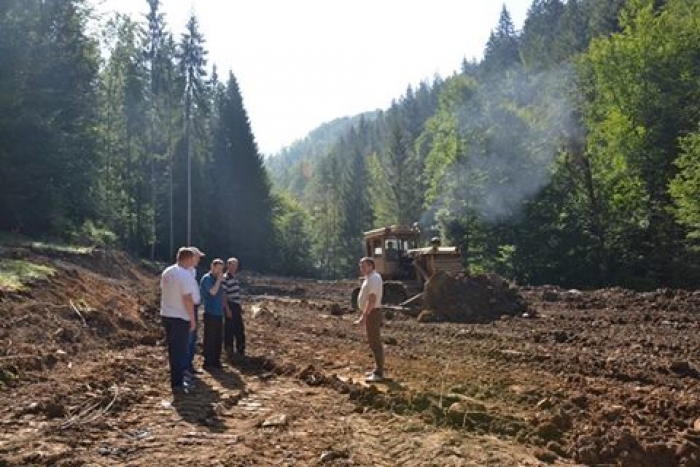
568 154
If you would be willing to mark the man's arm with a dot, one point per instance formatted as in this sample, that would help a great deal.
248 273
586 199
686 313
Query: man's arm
217 285
371 303
189 306
369 306
227 309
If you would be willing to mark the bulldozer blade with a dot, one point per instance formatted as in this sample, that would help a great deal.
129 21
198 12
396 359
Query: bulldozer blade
411 300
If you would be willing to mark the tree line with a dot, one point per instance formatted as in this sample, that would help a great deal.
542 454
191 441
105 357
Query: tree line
568 154
126 137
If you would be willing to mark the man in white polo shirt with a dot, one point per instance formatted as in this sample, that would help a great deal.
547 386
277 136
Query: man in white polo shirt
370 301
179 293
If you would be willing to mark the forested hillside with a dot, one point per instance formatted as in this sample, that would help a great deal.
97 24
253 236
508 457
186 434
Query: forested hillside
126 137
568 154
290 168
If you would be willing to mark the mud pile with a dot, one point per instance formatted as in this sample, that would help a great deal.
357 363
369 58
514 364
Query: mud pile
77 309
465 298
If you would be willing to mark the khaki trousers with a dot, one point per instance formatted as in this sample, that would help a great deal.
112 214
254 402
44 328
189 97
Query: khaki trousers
373 326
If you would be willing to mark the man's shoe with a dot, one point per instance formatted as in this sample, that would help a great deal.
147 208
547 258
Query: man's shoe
374 378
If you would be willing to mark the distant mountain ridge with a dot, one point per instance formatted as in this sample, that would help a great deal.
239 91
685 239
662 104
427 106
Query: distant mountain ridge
284 167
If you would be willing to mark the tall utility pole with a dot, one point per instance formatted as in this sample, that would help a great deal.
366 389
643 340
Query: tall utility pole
189 181
192 63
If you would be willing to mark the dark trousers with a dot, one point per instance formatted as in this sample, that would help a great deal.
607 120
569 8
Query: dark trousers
234 329
213 327
177 332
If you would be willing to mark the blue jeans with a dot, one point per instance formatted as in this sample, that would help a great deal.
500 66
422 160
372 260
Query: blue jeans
176 335
192 343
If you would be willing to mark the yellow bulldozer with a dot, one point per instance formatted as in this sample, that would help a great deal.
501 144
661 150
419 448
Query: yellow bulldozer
403 264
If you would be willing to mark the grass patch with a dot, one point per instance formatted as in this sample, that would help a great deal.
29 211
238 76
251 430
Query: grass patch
45 246
16 274
61 248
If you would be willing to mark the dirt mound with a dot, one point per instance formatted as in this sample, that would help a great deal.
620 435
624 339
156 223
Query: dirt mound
465 298
74 310
617 298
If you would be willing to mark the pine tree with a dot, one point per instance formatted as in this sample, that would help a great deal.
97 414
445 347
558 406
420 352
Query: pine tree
48 105
356 206
502 49
240 200
538 42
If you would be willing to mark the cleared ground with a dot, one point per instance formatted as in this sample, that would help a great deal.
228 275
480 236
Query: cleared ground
605 377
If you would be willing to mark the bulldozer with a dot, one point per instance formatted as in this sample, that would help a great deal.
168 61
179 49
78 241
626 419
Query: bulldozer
403 264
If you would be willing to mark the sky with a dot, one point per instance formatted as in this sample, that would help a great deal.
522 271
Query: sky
301 63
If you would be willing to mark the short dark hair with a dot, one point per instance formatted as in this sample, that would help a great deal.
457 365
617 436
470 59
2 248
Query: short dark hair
184 253
367 260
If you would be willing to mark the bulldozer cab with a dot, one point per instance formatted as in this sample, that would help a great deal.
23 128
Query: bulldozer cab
402 263
389 247
397 255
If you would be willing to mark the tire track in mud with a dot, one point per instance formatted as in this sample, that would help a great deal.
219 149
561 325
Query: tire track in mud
264 413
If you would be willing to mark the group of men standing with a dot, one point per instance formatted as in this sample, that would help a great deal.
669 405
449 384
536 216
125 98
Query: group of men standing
219 293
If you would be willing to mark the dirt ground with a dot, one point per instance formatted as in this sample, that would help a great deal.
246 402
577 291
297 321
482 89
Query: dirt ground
606 377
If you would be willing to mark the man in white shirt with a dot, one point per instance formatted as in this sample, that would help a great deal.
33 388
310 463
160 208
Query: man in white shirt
370 300
190 370
179 293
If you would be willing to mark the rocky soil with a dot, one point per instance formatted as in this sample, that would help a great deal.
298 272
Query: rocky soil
605 377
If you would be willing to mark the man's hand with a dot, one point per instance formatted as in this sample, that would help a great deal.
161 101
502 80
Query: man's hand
193 326
229 315
360 320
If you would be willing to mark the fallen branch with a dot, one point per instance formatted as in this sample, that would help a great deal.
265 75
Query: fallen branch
90 414
75 308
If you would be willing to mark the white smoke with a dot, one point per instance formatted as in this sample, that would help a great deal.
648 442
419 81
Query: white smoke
513 129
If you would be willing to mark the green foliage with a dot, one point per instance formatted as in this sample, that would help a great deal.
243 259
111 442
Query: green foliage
685 187
94 235
47 116
293 238
324 196
16 275
502 49
540 47
398 192
239 201
568 155
291 169
644 97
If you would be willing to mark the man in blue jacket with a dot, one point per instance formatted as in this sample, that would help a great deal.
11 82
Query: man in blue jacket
212 293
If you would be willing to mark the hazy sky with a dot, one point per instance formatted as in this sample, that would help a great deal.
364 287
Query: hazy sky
300 63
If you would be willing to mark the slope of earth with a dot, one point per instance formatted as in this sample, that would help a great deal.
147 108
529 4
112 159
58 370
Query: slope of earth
599 378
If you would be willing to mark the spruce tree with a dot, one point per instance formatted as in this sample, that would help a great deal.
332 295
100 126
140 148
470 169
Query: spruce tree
502 49
240 201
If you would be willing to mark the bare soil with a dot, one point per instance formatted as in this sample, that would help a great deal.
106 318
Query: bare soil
605 377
